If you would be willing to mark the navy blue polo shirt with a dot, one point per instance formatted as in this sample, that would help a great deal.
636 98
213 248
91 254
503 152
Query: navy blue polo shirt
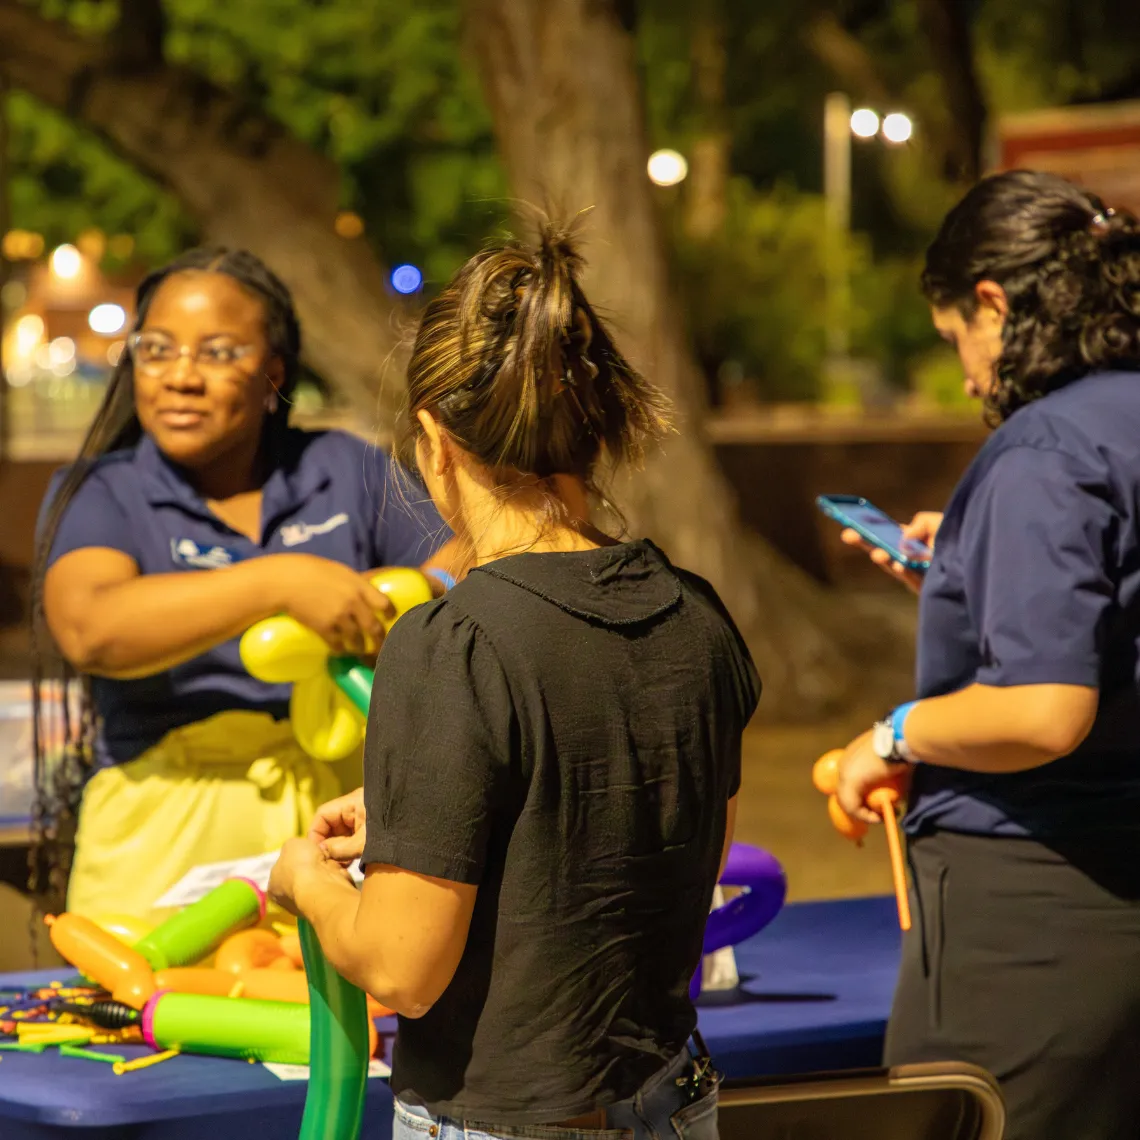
333 496
1036 580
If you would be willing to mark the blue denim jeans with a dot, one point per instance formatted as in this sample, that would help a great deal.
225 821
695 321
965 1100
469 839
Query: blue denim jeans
659 1110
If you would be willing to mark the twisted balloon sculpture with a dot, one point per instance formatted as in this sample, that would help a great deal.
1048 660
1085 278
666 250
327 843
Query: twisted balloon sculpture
330 694
327 709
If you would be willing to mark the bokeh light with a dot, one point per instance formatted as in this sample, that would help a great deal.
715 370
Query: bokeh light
406 279
667 168
864 123
897 128
108 319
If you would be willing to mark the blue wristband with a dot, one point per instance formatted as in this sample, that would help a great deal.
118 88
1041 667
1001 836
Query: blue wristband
898 727
442 576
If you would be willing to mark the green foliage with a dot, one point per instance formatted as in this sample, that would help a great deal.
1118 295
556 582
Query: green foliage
378 85
65 181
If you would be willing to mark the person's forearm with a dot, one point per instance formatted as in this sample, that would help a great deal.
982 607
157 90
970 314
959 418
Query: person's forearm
332 904
156 621
986 729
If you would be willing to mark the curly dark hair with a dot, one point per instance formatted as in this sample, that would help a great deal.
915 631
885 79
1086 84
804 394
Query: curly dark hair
59 784
1070 268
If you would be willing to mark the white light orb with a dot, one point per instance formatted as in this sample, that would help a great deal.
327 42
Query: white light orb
667 168
66 262
108 319
897 128
864 123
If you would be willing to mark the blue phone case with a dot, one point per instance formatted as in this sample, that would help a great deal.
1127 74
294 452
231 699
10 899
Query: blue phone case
879 530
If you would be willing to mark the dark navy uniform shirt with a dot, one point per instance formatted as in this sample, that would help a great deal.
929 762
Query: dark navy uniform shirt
333 496
1036 580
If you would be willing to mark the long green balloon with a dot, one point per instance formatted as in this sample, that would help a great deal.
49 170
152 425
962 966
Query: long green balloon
338 1050
354 680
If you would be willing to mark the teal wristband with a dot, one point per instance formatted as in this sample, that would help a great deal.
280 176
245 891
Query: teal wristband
898 727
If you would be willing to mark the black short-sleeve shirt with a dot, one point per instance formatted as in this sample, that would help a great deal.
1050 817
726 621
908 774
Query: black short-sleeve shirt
564 731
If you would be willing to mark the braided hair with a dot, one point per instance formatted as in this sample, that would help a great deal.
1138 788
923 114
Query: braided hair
1070 268
59 782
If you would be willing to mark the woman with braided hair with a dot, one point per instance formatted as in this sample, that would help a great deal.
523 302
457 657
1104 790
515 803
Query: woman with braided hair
194 511
1023 749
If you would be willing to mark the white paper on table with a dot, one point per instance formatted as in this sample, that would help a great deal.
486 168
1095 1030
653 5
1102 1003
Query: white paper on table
201 880
301 1072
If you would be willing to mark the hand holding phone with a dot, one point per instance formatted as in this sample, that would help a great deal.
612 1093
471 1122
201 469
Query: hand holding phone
879 531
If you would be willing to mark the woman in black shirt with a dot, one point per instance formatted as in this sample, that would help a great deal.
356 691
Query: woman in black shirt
553 748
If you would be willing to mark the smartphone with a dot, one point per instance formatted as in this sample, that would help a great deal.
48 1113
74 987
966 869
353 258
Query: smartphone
877 528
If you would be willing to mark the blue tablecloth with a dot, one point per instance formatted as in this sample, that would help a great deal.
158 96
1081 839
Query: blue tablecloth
817 987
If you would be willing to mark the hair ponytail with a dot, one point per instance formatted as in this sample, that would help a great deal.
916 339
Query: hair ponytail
520 370
1070 268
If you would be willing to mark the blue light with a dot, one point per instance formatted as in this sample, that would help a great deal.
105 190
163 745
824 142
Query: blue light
406 279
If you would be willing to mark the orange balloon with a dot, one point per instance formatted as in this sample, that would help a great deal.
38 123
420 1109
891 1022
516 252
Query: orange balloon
291 947
101 957
847 825
825 772
195 980
248 950
275 985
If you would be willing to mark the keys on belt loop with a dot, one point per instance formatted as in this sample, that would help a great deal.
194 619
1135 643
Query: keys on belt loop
702 1078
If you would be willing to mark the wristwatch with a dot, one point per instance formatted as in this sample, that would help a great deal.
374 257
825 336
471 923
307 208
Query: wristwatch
887 739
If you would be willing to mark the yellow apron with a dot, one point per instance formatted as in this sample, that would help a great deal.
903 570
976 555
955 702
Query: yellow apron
234 785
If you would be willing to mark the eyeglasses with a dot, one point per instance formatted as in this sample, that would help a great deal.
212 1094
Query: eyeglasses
154 354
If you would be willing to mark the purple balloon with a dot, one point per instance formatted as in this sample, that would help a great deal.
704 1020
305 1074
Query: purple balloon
748 913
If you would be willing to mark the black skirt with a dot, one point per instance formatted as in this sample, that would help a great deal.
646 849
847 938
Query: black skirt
1024 958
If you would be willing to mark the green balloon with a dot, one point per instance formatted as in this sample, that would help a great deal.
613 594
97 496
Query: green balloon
338 1051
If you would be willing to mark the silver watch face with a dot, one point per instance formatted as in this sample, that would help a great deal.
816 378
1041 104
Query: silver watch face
883 739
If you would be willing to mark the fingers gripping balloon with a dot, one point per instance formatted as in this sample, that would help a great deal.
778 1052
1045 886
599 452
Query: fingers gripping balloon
825 777
330 694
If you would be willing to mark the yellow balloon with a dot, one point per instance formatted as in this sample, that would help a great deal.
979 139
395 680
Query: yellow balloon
405 588
126 927
280 649
325 722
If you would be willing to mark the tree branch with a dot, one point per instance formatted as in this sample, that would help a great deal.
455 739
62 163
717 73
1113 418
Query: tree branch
244 179
137 40
848 60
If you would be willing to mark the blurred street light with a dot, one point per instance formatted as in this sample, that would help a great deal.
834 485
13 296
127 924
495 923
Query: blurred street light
839 124
107 319
864 123
66 262
667 168
897 128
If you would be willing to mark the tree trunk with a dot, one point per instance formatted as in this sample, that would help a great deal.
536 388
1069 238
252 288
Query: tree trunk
707 186
947 27
242 177
560 80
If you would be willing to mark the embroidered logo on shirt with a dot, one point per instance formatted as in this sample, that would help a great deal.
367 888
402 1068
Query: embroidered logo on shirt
187 552
296 533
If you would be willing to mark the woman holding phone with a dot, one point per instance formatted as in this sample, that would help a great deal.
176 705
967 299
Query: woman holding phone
1023 749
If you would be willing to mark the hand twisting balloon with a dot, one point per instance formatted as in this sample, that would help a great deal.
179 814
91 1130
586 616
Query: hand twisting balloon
330 694
882 799
748 913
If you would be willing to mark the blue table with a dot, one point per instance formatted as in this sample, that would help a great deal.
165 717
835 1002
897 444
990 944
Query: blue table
817 986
